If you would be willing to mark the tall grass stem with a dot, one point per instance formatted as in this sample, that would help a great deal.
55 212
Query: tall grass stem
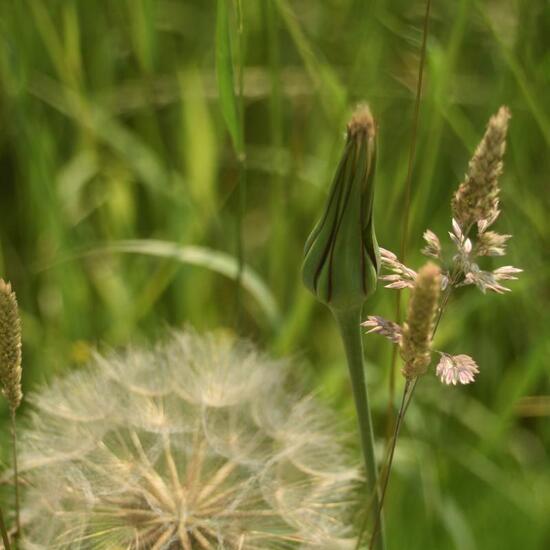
15 474
241 158
408 392
407 208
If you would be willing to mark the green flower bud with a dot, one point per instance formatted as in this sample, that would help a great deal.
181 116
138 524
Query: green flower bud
341 255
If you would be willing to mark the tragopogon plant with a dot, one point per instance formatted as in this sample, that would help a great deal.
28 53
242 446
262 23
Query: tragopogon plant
341 264
195 444
475 208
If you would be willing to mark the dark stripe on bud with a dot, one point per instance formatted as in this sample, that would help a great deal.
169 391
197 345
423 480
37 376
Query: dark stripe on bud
341 255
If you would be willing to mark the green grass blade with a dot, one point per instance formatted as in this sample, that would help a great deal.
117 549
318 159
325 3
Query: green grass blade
226 78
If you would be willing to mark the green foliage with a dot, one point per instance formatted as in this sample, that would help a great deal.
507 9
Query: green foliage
113 129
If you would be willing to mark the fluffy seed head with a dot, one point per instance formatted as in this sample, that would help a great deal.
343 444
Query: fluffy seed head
477 196
10 346
194 444
417 331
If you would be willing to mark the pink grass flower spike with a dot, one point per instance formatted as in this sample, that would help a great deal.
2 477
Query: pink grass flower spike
456 368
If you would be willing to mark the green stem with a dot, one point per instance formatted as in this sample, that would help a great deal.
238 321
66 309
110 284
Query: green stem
16 474
349 324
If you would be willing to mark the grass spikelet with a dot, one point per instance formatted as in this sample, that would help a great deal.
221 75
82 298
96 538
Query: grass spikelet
477 196
194 444
417 331
10 346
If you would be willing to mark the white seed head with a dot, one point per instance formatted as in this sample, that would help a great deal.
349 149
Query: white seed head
194 444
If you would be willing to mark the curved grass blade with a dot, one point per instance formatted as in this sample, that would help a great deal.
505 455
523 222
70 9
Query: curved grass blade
219 262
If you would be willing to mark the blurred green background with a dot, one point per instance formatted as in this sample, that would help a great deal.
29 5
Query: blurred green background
123 211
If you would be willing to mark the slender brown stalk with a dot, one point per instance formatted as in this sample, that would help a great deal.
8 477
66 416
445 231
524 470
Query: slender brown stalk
408 186
410 384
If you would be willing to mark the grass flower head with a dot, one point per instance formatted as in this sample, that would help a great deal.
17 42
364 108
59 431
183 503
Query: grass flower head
10 346
477 197
418 330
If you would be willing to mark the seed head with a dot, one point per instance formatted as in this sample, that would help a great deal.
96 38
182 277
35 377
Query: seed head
10 346
341 255
476 199
195 444
417 331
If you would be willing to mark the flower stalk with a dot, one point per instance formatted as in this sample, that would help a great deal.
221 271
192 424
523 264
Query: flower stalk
348 325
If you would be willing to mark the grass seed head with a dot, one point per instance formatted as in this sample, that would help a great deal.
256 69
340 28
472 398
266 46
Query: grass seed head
10 346
477 197
417 331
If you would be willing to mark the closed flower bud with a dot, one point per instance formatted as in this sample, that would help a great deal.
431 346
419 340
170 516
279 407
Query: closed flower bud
341 255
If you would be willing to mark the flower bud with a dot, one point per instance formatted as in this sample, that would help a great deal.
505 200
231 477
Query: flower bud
341 255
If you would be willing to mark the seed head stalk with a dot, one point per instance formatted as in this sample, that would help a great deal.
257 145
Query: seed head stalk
15 473
407 207
408 392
